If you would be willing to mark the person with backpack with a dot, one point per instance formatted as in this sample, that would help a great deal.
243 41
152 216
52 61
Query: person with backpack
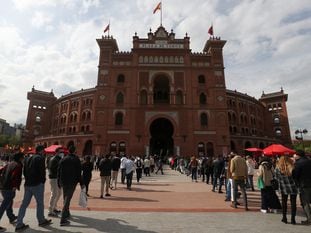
139 168
11 176
69 175
35 177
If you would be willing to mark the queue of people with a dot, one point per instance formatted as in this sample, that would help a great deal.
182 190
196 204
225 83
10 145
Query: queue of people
290 177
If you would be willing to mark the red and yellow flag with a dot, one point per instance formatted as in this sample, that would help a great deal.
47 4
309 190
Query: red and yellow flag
106 28
158 7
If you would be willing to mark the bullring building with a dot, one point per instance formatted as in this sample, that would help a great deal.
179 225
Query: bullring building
159 98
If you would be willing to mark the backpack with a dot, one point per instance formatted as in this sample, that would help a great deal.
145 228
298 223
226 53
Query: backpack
138 163
3 177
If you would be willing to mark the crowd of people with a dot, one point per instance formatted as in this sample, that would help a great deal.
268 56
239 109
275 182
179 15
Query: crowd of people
290 176
285 175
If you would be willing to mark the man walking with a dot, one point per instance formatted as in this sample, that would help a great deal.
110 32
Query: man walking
12 174
56 191
122 166
115 165
302 176
105 175
238 169
34 173
69 175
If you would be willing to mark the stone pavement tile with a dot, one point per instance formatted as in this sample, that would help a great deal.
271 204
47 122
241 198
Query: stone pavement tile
163 222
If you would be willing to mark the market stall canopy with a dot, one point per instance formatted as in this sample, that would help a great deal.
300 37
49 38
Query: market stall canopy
52 149
278 149
253 149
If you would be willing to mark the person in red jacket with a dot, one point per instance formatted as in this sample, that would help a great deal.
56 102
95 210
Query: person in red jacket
12 174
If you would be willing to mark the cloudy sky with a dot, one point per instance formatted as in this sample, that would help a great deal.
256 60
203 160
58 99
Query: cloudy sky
51 44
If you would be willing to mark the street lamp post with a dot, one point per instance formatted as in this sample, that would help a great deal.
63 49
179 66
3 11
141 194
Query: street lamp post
299 136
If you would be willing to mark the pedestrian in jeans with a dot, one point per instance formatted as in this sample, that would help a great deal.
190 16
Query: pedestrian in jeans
115 163
69 175
105 166
34 173
301 174
12 180
238 169
56 192
122 166
129 170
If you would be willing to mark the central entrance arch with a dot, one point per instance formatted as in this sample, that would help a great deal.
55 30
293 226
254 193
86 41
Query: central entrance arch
161 141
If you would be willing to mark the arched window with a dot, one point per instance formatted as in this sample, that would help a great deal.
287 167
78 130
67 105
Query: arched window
120 98
88 115
202 98
179 97
229 116
276 120
143 97
278 132
210 149
203 119
161 90
201 79
119 119
82 128
120 78
201 149
87 128
83 116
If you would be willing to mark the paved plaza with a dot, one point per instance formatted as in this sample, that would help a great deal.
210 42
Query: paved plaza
160 203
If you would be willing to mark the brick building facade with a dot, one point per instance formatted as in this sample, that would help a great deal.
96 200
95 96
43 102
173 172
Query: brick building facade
159 98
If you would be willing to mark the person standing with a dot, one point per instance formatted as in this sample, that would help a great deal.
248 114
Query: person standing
250 172
269 199
139 168
129 170
35 177
122 166
69 175
287 187
238 169
147 166
302 176
56 191
105 175
193 166
152 164
87 168
12 180
115 166
218 173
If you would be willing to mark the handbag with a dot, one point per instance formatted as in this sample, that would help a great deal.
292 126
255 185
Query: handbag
275 184
83 198
260 183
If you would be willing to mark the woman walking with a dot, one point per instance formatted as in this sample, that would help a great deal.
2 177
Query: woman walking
269 199
287 187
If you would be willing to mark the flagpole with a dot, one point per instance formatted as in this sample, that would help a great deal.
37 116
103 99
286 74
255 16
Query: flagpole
109 28
161 13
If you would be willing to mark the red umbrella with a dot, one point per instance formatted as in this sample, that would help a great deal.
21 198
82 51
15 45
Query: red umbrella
52 149
253 149
277 149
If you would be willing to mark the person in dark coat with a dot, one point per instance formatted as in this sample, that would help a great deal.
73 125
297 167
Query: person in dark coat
69 175
115 165
35 177
218 173
87 168
302 176
12 181
105 167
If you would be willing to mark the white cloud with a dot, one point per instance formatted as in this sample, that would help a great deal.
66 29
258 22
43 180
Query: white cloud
41 19
267 44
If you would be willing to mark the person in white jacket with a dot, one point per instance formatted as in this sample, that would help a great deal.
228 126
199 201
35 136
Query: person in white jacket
250 172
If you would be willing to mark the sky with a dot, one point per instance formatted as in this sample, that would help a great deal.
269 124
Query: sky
51 45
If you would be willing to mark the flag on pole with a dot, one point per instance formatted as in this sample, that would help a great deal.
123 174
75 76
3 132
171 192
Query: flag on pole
158 7
211 31
107 28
